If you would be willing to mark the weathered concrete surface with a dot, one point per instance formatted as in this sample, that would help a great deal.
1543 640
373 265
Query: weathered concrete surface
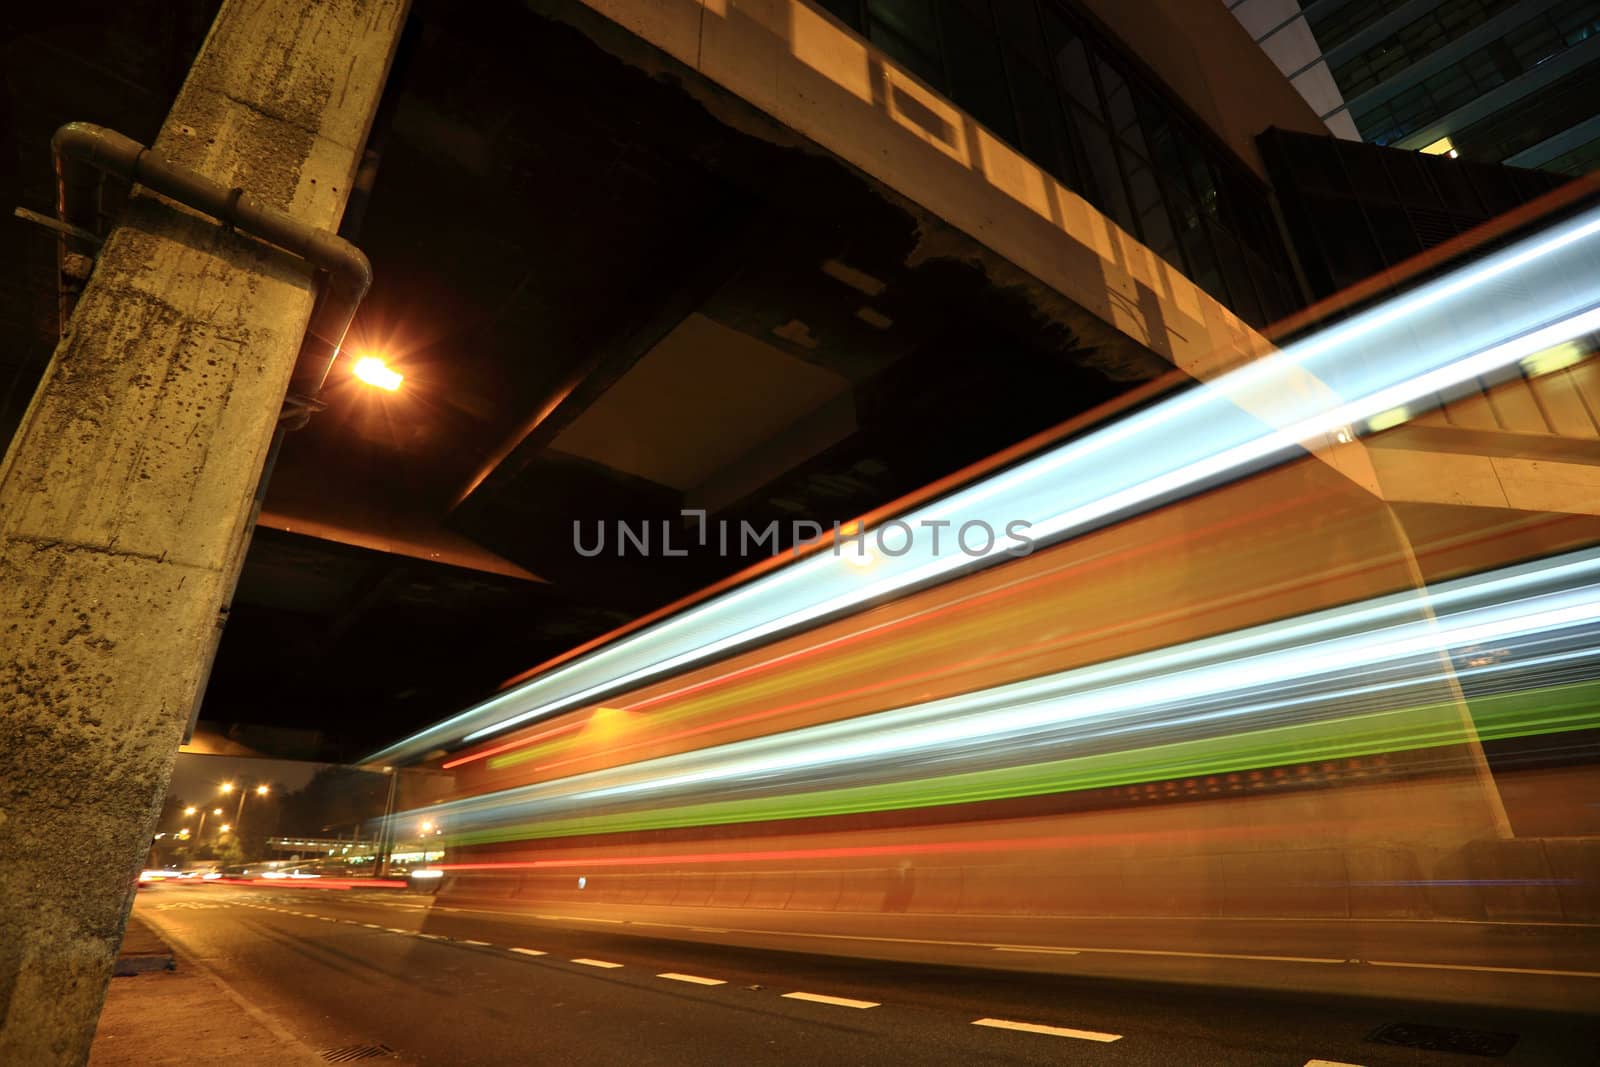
125 497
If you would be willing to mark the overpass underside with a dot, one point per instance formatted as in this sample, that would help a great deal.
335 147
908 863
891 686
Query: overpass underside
1461 828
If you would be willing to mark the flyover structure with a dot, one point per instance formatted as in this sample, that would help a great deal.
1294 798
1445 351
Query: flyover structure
761 261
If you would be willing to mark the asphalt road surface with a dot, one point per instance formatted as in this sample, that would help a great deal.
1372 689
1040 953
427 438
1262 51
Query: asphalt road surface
454 985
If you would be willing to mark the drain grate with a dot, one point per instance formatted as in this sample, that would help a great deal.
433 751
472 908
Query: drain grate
350 1053
1444 1039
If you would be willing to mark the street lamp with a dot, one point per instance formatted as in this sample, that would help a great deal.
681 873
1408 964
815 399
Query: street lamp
238 815
199 833
375 372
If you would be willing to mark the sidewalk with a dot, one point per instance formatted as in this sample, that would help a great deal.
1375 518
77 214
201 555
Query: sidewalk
175 1017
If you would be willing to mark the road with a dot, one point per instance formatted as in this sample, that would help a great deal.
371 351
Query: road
446 985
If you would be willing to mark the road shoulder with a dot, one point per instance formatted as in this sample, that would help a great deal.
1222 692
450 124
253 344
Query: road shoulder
184 1016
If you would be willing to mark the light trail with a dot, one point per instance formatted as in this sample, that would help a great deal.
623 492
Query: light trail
1303 688
1458 329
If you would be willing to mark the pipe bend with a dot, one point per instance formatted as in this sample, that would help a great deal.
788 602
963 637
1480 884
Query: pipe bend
79 148
341 259
97 146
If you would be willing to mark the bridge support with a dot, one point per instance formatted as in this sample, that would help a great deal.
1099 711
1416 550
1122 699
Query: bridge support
126 495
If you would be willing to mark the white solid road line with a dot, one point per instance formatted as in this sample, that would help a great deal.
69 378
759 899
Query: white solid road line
531 951
692 979
1490 970
1053 1031
1041 951
1330 1063
595 963
842 1002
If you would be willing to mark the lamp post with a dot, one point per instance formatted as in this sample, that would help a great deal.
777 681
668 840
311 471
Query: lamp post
385 832
238 814
199 833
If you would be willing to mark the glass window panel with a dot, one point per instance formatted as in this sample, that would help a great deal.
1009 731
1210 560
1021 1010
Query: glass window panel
977 75
1019 25
1043 138
1202 184
1535 43
1107 194
846 11
1150 209
1270 286
904 29
1197 250
1071 61
1120 108
1234 272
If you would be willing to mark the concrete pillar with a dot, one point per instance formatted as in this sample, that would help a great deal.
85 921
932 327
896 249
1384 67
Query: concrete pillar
126 493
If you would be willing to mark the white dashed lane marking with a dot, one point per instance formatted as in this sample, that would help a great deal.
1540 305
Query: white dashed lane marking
1053 1031
838 1002
847 1002
692 979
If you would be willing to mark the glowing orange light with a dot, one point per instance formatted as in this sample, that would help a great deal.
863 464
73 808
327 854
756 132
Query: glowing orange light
261 790
374 371
227 787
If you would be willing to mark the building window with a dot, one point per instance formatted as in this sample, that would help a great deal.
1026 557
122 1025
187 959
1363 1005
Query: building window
1036 77
1412 42
1525 47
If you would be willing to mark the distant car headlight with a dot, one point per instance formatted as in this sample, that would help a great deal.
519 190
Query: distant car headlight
427 874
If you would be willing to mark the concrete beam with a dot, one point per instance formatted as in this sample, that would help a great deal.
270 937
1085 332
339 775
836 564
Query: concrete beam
125 497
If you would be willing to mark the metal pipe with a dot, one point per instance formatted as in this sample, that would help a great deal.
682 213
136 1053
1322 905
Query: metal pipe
81 149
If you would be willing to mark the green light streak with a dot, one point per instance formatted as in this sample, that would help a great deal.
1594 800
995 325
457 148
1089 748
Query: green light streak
1554 709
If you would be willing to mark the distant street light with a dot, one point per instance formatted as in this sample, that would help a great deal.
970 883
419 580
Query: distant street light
225 827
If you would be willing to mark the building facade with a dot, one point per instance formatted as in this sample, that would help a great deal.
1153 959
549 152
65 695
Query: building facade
1497 81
